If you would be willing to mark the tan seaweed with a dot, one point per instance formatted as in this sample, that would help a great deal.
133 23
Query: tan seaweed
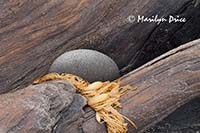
103 97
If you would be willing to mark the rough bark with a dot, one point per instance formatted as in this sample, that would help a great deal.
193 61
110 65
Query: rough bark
163 85
34 33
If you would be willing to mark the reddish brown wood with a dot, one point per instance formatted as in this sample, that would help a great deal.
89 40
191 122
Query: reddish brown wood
34 33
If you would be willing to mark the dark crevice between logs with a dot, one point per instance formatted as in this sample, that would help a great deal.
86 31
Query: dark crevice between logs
168 36
184 120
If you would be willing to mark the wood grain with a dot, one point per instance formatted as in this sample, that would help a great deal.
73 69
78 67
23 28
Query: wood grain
34 33
163 85
37 109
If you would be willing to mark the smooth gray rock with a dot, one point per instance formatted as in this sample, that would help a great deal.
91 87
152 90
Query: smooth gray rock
88 64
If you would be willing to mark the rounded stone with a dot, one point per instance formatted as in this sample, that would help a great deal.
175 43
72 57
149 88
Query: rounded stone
89 64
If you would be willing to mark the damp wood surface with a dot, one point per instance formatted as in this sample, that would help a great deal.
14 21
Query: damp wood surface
34 33
163 85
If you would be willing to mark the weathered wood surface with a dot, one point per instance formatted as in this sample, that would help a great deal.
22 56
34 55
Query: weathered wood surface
34 33
184 120
163 85
37 109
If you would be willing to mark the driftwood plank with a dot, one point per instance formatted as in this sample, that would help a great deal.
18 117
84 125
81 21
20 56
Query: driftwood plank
163 85
34 33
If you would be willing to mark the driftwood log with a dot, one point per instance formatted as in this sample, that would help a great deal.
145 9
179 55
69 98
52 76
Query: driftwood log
34 33
163 85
